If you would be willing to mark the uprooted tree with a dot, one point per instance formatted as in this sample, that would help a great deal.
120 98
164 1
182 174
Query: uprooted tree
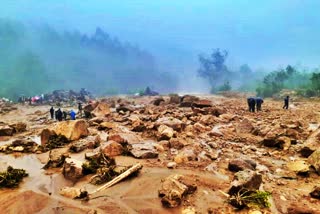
213 68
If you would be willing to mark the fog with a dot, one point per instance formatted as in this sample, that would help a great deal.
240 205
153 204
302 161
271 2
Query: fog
266 35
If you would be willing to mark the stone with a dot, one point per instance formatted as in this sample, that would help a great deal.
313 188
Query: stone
315 192
185 156
71 130
306 151
245 126
72 169
173 190
70 192
280 142
201 128
172 165
245 179
19 127
189 210
112 148
157 101
6 130
101 110
172 122
188 100
106 126
202 103
165 132
174 99
177 143
56 158
314 160
300 167
240 164
144 150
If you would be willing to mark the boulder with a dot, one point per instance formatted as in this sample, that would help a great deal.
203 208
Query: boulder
56 158
306 151
245 179
280 142
188 100
165 132
185 156
112 148
117 138
157 101
172 165
173 190
6 130
202 103
45 135
201 128
90 107
19 127
245 126
72 129
240 164
314 160
172 122
300 167
91 142
174 99
106 126
101 110
315 192
144 150
72 169
70 192
177 143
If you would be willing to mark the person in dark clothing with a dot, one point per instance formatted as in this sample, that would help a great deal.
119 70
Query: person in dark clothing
59 115
80 109
72 115
51 112
251 104
259 102
65 115
286 103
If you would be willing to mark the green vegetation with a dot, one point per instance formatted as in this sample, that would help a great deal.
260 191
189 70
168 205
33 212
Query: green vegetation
39 59
12 177
248 198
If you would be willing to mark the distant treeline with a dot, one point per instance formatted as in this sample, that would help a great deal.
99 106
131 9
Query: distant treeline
39 59
266 84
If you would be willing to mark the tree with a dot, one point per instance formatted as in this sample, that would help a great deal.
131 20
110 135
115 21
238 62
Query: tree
213 67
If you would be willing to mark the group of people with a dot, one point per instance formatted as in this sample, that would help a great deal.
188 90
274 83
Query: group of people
61 115
256 103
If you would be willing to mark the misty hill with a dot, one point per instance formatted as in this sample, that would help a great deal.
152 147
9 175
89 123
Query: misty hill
38 59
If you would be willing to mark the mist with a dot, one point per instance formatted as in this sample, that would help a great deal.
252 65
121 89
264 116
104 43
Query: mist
161 40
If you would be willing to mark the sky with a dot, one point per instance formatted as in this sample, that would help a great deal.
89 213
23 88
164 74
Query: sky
263 33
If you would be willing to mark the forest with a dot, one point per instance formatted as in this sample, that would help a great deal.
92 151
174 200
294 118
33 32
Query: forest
36 59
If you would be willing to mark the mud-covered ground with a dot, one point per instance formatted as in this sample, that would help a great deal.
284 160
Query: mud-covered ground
203 145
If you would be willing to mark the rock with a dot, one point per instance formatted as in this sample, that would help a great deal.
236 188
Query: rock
172 165
240 164
56 158
106 126
70 192
117 138
165 132
72 169
96 120
189 210
245 179
72 129
314 160
280 142
185 156
300 167
90 142
177 143
90 107
188 100
173 190
101 110
306 151
19 127
201 128
158 101
227 117
6 130
45 135
315 192
174 123
112 148
174 99
202 103
245 126
18 149
297 208
144 150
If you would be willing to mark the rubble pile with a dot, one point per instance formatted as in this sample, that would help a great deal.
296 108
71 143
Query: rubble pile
267 159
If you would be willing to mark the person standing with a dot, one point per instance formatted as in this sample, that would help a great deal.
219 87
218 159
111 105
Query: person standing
286 103
72 115
52 112
59 115
259 102
80 109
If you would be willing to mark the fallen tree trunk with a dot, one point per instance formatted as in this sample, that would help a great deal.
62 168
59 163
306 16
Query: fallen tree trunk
119 178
